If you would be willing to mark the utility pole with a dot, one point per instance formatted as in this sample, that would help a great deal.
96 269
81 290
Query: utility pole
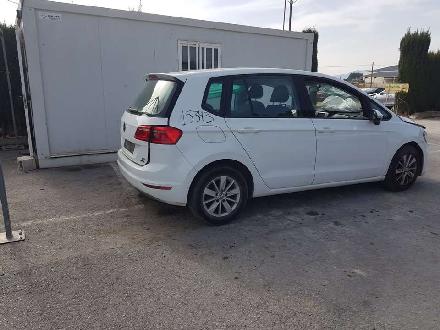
290 15
291 2
140 5
284 17
371 77
8 79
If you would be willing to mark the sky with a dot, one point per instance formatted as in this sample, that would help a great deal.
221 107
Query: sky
353 34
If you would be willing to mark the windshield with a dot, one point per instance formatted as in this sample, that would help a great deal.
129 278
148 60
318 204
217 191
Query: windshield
155 98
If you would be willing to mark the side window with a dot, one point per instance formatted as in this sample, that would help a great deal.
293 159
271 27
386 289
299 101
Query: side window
213 96
332 102
264 96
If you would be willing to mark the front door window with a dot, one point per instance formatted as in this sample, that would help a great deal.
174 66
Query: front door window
332 102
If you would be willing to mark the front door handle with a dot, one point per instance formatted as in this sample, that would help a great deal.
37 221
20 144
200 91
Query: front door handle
326 130
248 130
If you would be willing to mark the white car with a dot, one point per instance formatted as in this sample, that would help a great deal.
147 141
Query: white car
212 139
380 94
387 99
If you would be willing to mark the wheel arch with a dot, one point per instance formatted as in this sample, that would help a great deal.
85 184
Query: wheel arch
243 169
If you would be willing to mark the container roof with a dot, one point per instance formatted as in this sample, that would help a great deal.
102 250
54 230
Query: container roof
141 16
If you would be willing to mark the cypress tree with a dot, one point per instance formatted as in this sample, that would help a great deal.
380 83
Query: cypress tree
413 66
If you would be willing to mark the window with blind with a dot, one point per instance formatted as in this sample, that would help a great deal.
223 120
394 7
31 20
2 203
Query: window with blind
198 56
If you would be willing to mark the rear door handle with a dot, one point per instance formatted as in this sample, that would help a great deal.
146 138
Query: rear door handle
248 130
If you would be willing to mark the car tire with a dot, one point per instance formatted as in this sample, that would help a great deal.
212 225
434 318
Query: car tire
404 169
218 195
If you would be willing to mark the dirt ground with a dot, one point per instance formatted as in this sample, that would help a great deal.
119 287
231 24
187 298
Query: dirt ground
98 255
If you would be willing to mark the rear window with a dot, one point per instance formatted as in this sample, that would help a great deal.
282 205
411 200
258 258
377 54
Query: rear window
155 98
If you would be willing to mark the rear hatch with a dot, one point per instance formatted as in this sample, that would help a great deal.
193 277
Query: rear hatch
147 119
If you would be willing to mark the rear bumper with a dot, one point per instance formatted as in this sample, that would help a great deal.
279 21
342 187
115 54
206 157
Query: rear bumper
157 175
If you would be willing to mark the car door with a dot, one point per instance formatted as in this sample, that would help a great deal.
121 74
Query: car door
266 117
349 145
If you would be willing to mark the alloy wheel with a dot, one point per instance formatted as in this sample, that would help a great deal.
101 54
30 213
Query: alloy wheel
221 196
406 169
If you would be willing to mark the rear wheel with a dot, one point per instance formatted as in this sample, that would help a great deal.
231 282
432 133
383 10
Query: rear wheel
404 169
219 195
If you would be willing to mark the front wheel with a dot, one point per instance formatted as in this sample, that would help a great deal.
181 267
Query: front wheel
219 195
404 169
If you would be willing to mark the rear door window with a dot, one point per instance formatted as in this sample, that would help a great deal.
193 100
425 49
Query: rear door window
155 98
264 96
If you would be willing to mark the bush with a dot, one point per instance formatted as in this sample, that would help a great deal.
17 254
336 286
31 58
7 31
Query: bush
401 105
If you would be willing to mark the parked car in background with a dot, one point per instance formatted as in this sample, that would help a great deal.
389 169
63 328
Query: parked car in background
212 139
373 90
381 95
387 99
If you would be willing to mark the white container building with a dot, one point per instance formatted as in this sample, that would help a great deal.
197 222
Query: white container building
82 67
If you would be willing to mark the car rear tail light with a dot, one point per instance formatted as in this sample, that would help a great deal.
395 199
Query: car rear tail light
158 134
143 133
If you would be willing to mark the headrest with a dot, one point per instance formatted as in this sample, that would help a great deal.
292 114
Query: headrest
280 94
256 91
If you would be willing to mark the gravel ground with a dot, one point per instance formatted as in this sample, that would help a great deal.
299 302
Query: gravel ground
98 255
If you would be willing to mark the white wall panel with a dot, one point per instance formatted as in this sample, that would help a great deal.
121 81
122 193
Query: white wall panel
91 63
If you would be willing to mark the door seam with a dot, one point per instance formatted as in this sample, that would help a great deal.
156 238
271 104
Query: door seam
316 152
244 149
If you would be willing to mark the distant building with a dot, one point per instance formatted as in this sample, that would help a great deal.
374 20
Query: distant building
355 77
382 76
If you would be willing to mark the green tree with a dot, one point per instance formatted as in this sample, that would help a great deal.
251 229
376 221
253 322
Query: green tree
413 68
433 81
315 48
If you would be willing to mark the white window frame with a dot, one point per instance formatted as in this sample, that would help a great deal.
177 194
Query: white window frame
200 62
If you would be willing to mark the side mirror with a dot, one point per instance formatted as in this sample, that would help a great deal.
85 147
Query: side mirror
376 117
